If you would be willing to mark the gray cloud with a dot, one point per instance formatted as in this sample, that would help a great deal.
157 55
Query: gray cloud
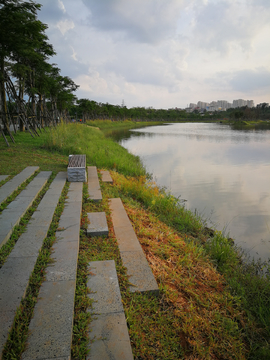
248 81
144 21
220 25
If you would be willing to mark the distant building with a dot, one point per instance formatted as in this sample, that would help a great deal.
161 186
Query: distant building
239 103
202 105
219 105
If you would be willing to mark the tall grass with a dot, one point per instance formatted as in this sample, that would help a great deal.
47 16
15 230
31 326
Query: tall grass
250 281
100 151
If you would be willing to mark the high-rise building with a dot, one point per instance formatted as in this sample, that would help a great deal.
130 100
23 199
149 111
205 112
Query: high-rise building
202 105
250 103
239 103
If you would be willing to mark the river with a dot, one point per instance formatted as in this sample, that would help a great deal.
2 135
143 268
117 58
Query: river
223 174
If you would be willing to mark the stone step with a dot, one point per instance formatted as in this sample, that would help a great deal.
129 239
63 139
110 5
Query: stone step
13 213
93 184
98 224
50 330
12 185
106 177
3 177
15 272
108 331
133 257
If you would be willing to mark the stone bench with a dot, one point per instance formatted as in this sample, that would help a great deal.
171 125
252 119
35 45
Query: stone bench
76 170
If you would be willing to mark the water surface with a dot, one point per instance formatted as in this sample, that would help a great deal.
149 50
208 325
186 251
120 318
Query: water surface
222 173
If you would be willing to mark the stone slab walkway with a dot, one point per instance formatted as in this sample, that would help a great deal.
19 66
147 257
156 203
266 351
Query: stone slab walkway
3 177
15 272
8 188
50 330
13 213
141 276
93 184
108 331
106 177
98 224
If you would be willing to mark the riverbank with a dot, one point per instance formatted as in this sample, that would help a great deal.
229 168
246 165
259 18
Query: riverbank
211 304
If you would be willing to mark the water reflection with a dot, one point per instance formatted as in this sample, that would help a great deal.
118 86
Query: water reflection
222 173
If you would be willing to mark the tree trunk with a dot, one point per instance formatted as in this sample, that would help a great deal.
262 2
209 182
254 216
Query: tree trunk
3 100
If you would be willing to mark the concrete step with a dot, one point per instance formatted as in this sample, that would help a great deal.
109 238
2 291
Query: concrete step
98 224
3 177
15 272
106 177
133 258
13 213
8 188
50 330
108 331
93 184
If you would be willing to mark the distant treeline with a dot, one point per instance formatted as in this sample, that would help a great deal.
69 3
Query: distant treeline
88 109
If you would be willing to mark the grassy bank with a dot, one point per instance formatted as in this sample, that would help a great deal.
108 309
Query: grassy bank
212 305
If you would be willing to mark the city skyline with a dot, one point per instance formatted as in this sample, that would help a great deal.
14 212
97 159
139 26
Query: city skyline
220 105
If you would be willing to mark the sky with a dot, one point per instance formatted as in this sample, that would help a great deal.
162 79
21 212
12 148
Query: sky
162 53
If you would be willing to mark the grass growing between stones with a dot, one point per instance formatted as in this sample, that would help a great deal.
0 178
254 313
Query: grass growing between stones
6 249
16 341
195 316
200 313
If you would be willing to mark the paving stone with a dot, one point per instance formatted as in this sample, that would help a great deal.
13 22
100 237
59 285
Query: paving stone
133 257
42 217
14 277
65 257
141 275
12 215
98 224
50 330
108 331
127 239
75 207
3 177
106 177
120 218
30 242
12 185
104 286
71 234
15 273
7 318
110 338
93 184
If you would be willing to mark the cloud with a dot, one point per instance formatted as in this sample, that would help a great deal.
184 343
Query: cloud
148 21
225 24
65 25
161 53
249 81
61 6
